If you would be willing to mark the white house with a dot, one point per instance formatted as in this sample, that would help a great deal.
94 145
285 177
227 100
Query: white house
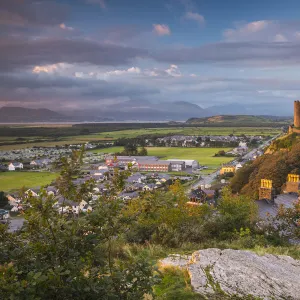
15 165
238 166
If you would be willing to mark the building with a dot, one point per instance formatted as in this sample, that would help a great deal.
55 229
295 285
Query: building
124 160
154 166
40 163
292 184
295 128
177 166
189 163
14 166
227 169
266 191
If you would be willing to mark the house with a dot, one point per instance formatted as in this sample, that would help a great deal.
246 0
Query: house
149 187
14 166
31 193
4 214
87 208
51 190
68 206
40 163
227 169
198 195
103 169
238 166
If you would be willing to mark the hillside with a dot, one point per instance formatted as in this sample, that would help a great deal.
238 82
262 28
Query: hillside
283 158
21 114
243 120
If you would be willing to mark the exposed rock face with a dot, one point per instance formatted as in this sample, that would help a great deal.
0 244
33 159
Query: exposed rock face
242 273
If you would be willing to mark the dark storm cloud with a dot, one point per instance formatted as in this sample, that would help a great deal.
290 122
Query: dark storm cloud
231 52
49 85
22 12
18 54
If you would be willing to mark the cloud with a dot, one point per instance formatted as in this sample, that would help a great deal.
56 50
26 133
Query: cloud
132 70
242 53
161 29
19 13
64 27
23 53
263 30
102 3
44 86
280 38
173 71
195 17
50 68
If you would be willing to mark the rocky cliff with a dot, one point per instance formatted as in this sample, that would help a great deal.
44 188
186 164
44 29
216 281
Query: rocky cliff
241 273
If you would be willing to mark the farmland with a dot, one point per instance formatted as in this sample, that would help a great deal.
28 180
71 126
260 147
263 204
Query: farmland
10 181
205 156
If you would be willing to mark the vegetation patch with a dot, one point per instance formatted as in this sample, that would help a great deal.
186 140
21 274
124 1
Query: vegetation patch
15 180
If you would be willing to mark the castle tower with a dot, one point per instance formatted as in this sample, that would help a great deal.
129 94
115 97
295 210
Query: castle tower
297 114
266 190
292 184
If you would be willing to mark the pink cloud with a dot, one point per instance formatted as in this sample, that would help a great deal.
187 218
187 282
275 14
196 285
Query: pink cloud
161 29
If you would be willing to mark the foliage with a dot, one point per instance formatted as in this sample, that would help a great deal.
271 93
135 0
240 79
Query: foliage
63 256
3 200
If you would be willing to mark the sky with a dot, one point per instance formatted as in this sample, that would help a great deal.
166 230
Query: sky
87 54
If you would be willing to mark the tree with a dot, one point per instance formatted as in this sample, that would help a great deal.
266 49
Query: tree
143 152
130 149
3 200
63 256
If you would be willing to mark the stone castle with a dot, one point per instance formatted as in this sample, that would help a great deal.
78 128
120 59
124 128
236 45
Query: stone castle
295 128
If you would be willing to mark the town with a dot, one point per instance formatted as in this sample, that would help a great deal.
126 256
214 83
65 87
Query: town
147 173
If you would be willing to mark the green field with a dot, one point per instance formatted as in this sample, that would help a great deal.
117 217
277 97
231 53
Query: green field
205 156
131 133
12 181
185 131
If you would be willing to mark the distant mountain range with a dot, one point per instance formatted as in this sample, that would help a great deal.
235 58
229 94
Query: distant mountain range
132 110
21 114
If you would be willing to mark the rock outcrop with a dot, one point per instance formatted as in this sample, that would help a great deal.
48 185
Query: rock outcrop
242 273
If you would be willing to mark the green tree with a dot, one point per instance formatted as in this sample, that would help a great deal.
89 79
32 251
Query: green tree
143 152
3 200
63 256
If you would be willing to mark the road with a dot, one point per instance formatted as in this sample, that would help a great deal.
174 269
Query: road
208 179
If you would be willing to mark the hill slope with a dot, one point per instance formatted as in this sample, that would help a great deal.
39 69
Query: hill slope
21 114
244 120
282 160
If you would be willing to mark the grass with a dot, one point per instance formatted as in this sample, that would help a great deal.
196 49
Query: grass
131 133
185 131
205 156
175 285
12 181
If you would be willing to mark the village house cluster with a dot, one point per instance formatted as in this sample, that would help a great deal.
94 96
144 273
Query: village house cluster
41 157
102 175
204 141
